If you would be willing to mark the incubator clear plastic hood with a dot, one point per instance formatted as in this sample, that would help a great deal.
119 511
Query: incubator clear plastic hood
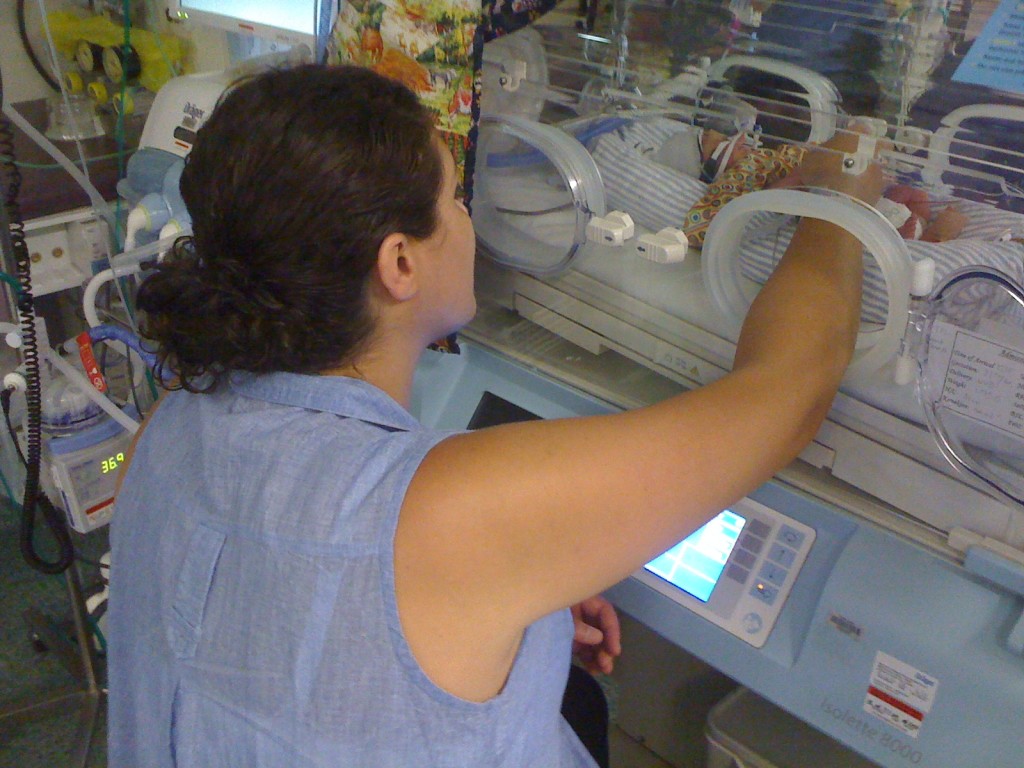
596 172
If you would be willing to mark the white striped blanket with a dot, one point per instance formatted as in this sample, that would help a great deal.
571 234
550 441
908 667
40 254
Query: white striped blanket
658 196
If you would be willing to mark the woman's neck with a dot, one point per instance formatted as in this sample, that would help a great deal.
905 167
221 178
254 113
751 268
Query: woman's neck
385 369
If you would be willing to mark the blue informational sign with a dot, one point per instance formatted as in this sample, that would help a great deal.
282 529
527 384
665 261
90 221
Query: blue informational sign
996 58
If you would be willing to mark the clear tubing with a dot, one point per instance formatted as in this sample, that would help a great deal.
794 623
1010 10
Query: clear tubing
98 203
92 289
122 265
91 392
126 337
137 221
54 60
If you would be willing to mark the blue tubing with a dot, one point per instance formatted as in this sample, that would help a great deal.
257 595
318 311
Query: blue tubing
532 157
129 339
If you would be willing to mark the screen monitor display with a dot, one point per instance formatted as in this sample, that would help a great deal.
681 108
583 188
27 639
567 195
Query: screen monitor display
696 563
493 410
295 17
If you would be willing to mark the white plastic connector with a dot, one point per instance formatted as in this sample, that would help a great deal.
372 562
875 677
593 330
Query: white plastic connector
138 220
922 277
855 163
905 371
874 126
514 72
667 246
614 229
922 280
909 139
16 381
171 228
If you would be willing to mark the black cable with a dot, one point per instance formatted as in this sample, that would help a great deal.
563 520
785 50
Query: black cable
5 403
131 383
103 361
34 499
27 45
87 561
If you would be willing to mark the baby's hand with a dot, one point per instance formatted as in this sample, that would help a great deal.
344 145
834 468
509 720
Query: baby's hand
915 199
947 225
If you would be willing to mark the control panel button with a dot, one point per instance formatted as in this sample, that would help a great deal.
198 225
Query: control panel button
751 543
784 556
776 574
744 558
752 623
736 573
765 591
759 528
763 551
791 537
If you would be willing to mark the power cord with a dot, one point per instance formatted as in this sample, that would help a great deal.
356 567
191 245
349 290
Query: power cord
15 250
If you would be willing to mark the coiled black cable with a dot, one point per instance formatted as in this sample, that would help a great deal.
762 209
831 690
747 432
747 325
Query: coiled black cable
34 499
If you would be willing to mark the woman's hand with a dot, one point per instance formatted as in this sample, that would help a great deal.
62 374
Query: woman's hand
598 638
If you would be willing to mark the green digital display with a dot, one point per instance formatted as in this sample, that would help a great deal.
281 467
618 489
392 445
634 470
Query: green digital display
111 463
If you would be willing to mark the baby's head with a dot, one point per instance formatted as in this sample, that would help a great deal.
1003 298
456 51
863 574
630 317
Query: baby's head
704 154
720 152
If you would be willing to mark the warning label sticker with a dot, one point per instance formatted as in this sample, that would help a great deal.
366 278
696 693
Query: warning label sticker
899 694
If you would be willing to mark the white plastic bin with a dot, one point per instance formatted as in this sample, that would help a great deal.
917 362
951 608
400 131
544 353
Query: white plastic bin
746 731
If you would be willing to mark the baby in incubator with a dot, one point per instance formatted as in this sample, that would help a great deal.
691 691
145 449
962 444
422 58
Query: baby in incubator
692 174
737 164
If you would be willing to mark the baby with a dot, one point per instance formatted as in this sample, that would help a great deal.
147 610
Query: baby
737 164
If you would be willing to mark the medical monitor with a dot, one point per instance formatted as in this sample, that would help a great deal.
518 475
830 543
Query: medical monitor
696 563
292 22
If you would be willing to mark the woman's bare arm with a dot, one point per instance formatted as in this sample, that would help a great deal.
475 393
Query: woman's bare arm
504 525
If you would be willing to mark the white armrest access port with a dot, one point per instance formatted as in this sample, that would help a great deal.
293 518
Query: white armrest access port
667 246
614 229
513 73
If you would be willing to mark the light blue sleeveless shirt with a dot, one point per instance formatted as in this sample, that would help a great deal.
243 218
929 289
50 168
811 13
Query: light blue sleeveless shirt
253 619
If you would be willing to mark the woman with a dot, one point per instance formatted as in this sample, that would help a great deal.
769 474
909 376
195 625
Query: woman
302 574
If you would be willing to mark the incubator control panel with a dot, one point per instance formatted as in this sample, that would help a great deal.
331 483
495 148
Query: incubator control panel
737 570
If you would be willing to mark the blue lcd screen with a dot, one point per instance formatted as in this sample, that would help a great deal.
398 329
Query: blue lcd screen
696 563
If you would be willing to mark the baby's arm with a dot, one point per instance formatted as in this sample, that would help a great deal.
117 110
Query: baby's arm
947 225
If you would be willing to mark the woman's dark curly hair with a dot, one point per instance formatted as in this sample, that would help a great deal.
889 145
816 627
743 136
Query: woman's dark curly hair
292 184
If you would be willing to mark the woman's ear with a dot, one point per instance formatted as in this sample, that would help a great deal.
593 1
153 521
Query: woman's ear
396 267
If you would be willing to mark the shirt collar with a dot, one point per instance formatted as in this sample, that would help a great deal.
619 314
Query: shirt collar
340 395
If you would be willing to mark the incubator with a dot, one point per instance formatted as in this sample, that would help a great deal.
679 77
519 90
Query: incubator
873 588
590 187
